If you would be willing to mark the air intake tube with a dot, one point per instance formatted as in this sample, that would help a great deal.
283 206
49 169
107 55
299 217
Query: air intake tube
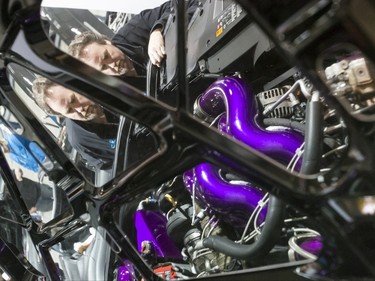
230 95
233 201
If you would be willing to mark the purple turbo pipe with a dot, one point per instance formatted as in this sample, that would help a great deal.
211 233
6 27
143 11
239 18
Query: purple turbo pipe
151 227
126 272
235 201
230 95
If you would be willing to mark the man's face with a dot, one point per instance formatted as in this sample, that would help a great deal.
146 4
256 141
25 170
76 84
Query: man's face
108 59
73 105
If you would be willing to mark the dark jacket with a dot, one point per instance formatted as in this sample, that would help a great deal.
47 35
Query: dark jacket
96 143
133 37
35 194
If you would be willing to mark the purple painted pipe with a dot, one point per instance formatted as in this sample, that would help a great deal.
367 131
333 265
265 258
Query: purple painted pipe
234 201
313 245
126 272
231 95
151 226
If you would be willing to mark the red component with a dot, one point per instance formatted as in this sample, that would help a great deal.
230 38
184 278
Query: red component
166 272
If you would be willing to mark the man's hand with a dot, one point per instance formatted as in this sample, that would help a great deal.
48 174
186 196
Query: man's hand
156 49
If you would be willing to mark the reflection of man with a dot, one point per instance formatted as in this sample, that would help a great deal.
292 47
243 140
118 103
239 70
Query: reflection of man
22 151
96 143
37 197
91 130
130 49
57 100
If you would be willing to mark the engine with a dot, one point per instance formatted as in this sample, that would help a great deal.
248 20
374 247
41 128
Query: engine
209 220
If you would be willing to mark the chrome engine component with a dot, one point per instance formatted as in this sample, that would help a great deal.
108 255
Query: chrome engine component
203 260
353 79
268 99
357 73
181 225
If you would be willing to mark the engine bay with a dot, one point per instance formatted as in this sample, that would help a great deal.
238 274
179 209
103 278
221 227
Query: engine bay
249 155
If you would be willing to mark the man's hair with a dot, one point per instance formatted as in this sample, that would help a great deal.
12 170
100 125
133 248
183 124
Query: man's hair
40 91
80 41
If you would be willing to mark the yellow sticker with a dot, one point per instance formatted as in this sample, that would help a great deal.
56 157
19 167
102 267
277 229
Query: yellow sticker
219 31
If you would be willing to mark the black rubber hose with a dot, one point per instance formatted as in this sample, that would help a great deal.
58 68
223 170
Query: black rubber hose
313 137
267 239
